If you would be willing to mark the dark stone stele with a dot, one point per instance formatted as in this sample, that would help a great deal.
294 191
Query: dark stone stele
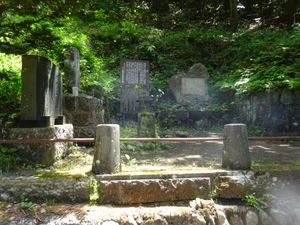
72 68
41 102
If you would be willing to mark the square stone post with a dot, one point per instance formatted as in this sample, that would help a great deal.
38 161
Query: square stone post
236 155
107 149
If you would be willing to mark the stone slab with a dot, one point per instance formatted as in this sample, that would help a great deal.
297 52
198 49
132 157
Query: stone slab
45 154
63 189
153 190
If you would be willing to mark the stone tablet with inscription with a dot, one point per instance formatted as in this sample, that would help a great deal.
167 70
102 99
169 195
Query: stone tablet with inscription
135 85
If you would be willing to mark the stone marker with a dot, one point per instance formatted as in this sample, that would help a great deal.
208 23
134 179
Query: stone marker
236 155
107 149
146 125
41 102
72 70
191 87
135 91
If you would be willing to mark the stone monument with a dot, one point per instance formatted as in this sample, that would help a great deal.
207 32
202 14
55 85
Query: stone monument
191 87
41 102
41 112
83 111
135 90
72 70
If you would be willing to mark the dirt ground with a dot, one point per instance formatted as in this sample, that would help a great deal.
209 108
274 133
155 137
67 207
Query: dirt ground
189 156
208 154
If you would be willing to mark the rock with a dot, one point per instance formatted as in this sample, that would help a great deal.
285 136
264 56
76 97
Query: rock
110 222
155 220
181 134
235 220
198 70
265 218
279 217
251 218
198 219
222 218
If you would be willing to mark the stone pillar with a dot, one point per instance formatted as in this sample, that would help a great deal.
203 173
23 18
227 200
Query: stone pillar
236 155
107 149
146 125
72 70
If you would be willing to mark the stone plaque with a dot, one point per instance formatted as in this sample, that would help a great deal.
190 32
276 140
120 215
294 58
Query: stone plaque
194 86
135 92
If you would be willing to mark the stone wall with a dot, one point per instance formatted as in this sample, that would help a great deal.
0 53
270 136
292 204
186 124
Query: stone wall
277 112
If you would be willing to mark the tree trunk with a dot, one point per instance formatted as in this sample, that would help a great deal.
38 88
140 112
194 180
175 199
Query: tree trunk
290 11
233 15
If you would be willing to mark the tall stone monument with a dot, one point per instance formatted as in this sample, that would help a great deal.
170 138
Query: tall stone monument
72 70
83 111
41 112
135 90
41 102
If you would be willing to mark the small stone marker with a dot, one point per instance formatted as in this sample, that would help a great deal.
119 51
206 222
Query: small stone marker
107 149
72 70
41 102
135 93
236 155
146 125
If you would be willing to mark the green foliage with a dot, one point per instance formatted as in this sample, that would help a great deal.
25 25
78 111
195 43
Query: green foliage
9 158
252 200
25 203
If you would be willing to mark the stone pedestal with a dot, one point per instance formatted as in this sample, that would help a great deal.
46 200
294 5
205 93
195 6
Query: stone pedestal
45 154
146 125
107 149
85 113
236 155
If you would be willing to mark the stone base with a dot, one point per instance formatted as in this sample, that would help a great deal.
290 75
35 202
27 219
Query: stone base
45 154
85 132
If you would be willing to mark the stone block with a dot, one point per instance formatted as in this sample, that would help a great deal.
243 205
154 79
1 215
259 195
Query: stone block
239 185
153 190
34 188
45 154
83 110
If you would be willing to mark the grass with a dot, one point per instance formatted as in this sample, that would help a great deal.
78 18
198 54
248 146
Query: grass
256 165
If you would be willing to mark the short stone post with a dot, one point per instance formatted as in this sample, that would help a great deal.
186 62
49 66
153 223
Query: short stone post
107 149
236 155
146 125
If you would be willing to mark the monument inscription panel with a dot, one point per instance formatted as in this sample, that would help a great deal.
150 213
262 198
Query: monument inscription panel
194 86
135 85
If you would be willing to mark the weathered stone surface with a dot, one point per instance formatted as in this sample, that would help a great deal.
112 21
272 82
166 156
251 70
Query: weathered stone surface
157 190
238 186
45 154
251 218
222 218
146 125
35 188
83 110
236 155
107 158
265 219
235 219
275 111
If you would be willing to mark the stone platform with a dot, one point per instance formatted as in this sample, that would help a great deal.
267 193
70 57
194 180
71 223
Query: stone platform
45 154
